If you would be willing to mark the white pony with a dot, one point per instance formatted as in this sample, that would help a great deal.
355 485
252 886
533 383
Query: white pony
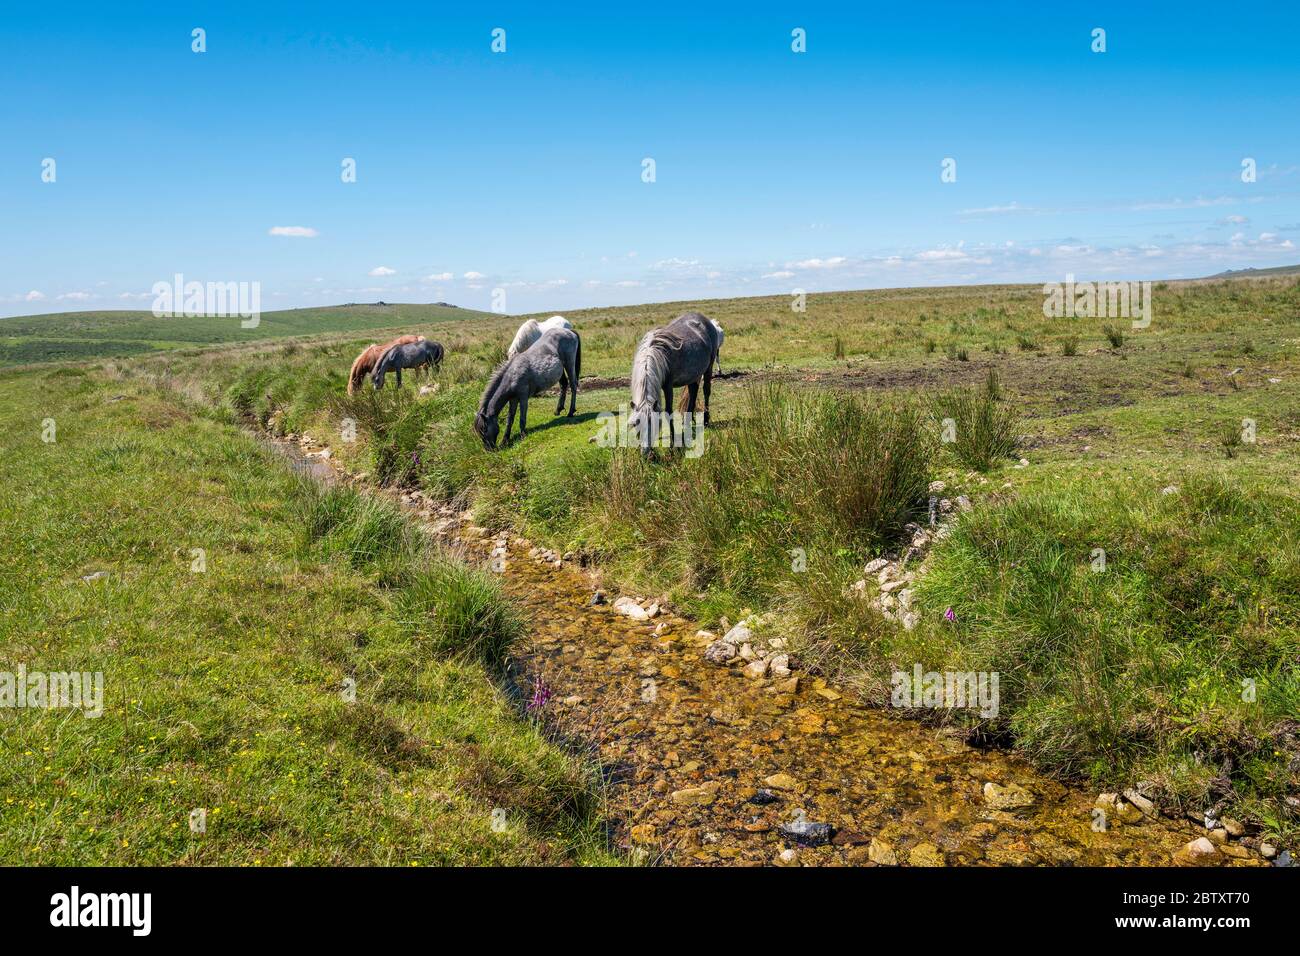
721 337
532 330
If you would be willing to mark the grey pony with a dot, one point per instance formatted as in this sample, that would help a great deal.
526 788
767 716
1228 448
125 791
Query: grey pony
555 357
414 355
681 353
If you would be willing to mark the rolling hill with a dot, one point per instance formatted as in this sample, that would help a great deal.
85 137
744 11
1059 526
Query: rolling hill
72 336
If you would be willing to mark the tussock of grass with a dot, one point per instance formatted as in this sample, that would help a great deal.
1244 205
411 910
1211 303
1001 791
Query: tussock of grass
456 610
809 472
982 430
1130 670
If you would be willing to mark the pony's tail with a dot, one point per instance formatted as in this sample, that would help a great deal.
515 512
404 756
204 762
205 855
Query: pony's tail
577 363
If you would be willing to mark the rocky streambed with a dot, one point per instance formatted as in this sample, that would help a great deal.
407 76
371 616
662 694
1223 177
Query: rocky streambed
720 762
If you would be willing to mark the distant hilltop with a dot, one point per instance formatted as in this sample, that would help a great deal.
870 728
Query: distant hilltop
1251 272
353 305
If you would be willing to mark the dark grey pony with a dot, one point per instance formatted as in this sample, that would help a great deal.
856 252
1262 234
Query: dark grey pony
412 355
681 353
555 357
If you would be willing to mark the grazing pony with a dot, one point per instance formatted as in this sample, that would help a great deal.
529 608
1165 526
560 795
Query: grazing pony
684 399
412 355
555 357
680 353
365 363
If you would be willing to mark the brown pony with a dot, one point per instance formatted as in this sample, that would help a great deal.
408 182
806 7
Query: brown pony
369 357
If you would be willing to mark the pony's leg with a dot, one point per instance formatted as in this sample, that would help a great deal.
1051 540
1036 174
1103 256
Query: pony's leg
708 389
523 418
399 376
572 375
668 410
510 423
564 382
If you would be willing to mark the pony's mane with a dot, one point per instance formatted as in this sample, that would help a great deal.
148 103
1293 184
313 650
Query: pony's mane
650 365
493 381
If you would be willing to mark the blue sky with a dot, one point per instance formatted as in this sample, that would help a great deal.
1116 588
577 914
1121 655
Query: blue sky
522 170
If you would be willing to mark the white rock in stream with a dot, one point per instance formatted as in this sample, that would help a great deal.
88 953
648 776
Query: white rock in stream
740 634
628 607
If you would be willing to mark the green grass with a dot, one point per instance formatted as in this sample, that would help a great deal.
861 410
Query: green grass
1106 677
1130 663
226 687
75 336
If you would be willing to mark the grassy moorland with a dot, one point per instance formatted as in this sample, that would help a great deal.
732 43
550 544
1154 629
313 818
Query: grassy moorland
1174 663
229 604
85 336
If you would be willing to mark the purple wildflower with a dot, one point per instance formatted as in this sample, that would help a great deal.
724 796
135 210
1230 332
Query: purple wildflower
542 694
950 615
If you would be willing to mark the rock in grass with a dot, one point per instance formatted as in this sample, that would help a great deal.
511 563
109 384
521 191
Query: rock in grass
628 607
1009 797
756 670
740 634
599 598
1142 803
787 858
762 797
875 565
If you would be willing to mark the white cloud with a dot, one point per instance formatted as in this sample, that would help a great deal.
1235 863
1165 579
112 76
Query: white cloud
473 276
34 296
780 274
439 277
381 271
1009 208
834 262
76 296
297 232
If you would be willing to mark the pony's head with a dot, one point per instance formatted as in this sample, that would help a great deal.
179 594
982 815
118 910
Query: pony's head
487 427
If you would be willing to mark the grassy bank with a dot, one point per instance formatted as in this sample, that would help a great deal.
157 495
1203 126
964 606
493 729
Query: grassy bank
270 653
1175 664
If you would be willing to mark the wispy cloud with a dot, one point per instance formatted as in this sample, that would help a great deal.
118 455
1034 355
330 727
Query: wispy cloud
379 271
297 232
